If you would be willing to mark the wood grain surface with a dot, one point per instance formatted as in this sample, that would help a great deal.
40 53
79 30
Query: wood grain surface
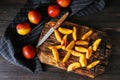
107 20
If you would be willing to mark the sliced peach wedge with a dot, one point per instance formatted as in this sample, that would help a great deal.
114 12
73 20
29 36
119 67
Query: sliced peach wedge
75 53
70 45
57 36
80 49
64 30
83 60
55 54
93 64
64 41
67 56
81 42
86 35
74 33
73 66
89 52
55 46
96 44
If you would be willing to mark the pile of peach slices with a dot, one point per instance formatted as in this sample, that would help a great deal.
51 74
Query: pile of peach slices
75 48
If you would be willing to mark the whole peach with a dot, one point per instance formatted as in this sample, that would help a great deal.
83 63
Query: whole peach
64 3
29 51
34 16
53 10
23 28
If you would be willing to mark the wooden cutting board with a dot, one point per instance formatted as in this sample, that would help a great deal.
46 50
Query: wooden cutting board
45 55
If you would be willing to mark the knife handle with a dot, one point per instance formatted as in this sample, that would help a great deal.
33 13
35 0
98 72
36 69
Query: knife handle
61 20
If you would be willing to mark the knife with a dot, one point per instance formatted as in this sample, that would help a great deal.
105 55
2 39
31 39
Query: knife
58 23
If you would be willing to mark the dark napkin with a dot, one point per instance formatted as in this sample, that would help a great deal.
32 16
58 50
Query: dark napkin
11 43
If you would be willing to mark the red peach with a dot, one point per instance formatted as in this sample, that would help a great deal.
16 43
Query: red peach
53 10
34 16
29 51
23 28
64 3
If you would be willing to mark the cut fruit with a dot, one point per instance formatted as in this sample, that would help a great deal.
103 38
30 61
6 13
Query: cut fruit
56 47
67 56
86 35
74 33
55 54
64 30
89 52
64 41
93 64
75 53
80 42
80 49
83 60
70 45
96 44
57 35
73 66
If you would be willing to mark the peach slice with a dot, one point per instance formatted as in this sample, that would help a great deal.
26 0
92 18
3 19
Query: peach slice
74 33
75 53
64 41
73 66
55 54
80 49
83 60
70 45
57 35
86 35
93 64
89 52
80 42
64 30
96 44
67 56
56 46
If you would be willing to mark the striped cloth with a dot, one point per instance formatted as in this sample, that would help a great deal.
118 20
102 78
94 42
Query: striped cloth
11 43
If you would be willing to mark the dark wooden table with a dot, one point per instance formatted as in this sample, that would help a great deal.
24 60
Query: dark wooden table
108 20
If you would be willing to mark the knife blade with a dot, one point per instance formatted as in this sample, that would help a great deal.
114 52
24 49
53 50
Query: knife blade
58 23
